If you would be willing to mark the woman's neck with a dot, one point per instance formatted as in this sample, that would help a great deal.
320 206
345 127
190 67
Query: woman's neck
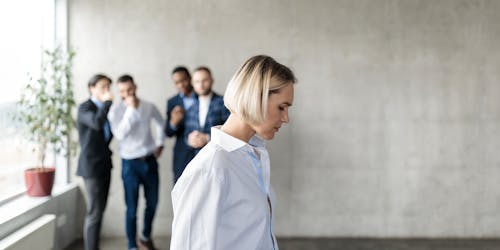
236 127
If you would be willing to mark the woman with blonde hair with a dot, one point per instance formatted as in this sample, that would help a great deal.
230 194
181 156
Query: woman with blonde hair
224 199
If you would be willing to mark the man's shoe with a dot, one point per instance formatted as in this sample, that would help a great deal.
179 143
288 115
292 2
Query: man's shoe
147 244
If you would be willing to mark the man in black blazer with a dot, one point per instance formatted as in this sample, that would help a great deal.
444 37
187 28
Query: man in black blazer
174 127
94 163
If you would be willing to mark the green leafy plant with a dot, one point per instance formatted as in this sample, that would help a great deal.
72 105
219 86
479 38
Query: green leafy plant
45 107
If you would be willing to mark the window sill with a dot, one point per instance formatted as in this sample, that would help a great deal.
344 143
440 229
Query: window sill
21 204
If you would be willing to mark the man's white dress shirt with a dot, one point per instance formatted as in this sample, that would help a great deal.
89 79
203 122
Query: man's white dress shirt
132 128
224 199
203 108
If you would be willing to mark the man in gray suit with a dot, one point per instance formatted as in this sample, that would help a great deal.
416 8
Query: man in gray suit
94 163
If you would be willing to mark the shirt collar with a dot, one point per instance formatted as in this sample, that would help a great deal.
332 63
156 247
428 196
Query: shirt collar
192 95
208 99
256 141
231 143
96 102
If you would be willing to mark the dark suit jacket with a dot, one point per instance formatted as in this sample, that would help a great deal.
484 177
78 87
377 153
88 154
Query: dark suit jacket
95 155
182 152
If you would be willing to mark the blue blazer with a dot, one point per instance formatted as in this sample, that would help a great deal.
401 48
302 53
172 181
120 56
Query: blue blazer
217 114
183 153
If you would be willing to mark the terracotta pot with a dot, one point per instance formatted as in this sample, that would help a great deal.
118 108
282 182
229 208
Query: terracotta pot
39 181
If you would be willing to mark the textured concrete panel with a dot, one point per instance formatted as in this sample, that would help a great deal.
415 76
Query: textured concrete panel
395 128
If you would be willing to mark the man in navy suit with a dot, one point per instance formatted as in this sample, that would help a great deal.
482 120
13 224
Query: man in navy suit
174 127
208 111
94 162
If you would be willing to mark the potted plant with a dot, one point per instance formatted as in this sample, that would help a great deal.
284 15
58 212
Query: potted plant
45 111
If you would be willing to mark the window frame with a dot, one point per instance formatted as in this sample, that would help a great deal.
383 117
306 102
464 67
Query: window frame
55 33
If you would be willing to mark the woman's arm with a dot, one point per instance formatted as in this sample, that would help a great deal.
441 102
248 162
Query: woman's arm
197 203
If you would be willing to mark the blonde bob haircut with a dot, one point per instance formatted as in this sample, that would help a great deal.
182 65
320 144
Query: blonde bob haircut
250 87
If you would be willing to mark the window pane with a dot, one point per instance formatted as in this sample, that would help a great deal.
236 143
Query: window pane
23 28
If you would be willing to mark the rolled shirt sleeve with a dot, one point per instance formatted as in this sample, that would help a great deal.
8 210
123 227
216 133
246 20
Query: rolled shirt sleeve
158 124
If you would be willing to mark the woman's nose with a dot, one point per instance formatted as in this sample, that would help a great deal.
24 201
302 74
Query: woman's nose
285 117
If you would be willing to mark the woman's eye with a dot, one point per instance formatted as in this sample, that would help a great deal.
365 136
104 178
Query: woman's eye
282 108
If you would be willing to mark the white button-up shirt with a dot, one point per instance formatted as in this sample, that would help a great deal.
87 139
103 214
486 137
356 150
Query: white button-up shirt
132 128
224 199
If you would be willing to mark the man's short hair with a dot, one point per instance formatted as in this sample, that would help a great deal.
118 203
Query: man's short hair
125 78
249 89
203 68
181 69
96 78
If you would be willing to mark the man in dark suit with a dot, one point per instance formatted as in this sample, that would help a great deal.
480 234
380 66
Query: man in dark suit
174 126
94 163
208 111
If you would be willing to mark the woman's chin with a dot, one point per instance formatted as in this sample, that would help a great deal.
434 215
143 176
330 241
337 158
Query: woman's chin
267 136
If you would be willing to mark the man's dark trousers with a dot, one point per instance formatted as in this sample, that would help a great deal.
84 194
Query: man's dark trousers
136 172
97 196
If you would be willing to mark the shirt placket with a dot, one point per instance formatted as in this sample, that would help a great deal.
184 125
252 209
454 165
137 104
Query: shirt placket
257 164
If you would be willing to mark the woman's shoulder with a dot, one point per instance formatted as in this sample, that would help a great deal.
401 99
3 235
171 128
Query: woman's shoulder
211 161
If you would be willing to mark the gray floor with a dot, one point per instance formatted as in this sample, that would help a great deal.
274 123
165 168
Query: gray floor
339 244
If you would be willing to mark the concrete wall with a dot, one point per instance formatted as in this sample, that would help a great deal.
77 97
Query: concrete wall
396 124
